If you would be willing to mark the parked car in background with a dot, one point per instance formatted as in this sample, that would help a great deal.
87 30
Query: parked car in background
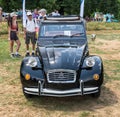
62 65
5 15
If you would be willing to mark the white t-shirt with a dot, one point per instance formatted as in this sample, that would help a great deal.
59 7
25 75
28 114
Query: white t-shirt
30 25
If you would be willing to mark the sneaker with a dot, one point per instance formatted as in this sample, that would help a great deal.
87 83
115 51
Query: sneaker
33 54
27 54
17 55
12 55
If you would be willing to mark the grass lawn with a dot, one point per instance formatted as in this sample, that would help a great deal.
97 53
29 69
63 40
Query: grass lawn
14 104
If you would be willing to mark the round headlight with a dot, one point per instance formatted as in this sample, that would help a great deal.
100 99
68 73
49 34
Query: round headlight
32 62
90 62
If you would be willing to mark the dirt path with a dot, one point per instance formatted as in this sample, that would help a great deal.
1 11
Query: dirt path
14 104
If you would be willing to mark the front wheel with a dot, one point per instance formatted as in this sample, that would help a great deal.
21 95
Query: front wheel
97 95
27 95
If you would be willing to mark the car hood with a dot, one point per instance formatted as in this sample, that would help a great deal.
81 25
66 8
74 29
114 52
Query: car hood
61 57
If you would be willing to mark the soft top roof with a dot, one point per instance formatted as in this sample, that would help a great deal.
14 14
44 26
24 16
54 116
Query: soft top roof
63 19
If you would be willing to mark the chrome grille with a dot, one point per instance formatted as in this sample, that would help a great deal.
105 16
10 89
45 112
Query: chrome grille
61 76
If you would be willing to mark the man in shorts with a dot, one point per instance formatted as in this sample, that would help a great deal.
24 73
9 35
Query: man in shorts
29 33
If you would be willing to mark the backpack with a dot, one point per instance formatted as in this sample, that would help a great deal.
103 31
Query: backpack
27 21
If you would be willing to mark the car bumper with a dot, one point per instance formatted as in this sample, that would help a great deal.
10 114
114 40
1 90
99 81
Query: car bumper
40 91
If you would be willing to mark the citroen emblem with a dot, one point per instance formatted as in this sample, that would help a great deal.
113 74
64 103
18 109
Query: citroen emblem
61 75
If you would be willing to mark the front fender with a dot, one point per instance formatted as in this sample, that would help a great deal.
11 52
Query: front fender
35 73
87 73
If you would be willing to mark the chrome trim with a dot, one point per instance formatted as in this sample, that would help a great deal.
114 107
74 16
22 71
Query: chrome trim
61 70
66 95
63 18
59 93
67 91
82 87
31 89
39 87
32 93
49 91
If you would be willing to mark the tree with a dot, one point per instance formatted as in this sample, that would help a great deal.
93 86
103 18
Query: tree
109 6
66 7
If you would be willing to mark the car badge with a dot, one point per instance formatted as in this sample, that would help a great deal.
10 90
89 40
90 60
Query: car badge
61 75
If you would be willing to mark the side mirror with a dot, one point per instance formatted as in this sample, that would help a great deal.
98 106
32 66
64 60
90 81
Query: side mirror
93 37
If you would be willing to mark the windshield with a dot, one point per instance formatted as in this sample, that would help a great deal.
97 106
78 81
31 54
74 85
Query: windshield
56 30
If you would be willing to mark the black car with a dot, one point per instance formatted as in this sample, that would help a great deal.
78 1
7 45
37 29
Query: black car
62 65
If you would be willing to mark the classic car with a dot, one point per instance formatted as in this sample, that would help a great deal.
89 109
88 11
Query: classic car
62 65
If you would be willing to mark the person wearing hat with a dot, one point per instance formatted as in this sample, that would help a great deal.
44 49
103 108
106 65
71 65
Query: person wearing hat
42 13
12 34
29 33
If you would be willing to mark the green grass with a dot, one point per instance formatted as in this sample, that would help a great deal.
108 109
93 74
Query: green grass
4 43
85 114
59 107
102 26
4 50
115 69
109 36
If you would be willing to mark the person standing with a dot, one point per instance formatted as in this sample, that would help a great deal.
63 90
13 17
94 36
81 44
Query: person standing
56 13
0 14
42 14
12 34
35 14
29 33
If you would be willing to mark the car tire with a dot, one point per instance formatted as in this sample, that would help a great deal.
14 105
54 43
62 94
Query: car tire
97 95
27 95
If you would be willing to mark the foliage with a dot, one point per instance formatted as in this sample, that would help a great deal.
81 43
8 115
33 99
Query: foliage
65 6
10 5
109 6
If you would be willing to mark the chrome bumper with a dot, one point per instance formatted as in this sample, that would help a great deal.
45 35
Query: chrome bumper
58 93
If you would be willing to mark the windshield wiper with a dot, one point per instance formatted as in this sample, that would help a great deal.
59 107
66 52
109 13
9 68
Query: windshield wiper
79 34
62 45
60 36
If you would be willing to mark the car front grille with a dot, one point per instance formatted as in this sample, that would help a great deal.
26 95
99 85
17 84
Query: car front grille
61 76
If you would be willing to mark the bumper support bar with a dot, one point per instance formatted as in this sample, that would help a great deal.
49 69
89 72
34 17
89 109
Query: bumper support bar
59 93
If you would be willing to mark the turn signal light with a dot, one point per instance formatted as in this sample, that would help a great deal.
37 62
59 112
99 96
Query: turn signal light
96 77
27 76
